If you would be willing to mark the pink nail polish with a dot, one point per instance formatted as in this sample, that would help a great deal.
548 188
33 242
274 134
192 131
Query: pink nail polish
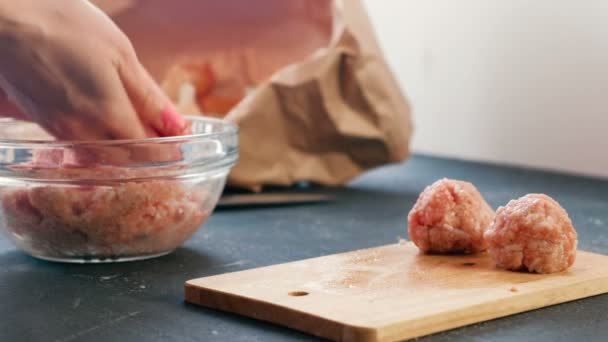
173 121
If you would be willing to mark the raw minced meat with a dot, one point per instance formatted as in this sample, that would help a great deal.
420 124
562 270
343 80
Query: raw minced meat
450 216
125 218
532 233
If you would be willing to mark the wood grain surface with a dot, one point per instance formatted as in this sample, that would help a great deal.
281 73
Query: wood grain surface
392 292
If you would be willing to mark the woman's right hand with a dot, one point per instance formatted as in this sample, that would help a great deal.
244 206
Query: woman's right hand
68 67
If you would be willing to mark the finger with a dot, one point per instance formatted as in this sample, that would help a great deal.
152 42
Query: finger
109 119
8 109
124 123
156 109
67 127
151 104
120 115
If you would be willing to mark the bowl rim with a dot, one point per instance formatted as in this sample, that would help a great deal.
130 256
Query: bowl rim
229 128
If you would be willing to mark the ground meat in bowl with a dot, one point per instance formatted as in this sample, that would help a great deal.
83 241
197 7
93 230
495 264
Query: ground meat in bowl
130 218
450 216
532 233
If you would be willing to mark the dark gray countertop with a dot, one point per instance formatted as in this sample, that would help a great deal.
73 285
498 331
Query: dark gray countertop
143 301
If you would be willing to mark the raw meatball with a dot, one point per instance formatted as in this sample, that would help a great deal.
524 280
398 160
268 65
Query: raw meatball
450 216
532 233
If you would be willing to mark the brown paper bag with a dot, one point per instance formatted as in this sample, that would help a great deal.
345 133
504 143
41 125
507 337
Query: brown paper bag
305 80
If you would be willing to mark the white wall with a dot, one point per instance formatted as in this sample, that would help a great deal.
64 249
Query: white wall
518 81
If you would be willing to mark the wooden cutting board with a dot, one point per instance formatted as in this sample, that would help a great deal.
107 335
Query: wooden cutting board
392 293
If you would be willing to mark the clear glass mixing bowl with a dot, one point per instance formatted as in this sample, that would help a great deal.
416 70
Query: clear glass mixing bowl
108 201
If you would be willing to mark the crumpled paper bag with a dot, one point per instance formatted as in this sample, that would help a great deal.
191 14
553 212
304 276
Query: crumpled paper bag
305 81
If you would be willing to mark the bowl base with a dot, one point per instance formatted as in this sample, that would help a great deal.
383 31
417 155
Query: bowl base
99 260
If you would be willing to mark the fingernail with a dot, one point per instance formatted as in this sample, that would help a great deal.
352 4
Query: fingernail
173 121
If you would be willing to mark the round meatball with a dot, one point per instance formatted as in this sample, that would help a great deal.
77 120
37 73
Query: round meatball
450 216
532 233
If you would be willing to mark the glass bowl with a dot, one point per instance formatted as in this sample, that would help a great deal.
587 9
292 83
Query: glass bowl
109 201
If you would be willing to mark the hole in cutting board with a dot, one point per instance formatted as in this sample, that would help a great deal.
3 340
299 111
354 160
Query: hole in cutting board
468 264
298 293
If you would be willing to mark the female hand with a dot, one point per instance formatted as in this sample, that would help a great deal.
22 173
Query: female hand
65 65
